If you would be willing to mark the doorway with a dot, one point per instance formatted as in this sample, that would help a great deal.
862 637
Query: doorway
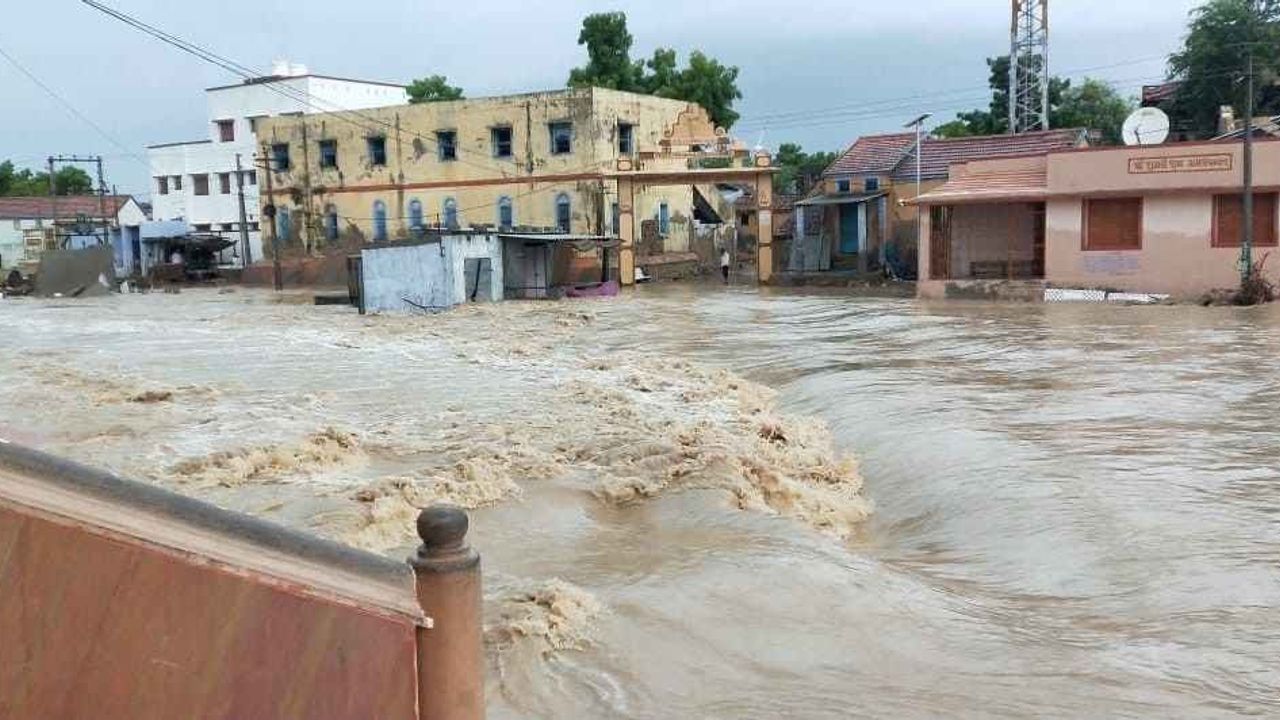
850 243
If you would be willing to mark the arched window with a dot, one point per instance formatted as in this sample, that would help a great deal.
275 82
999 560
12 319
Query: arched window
415 215
564 213
379 220
331 222
506 213
284 224
450 213
664 218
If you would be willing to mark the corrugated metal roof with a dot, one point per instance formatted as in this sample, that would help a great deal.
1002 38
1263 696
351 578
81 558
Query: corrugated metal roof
843 199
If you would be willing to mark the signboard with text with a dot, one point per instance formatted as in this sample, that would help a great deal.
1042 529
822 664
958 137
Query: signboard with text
1216 162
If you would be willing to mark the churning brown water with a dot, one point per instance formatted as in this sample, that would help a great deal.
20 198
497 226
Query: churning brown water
1055 511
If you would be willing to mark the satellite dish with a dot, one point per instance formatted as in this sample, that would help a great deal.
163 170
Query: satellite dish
1146 126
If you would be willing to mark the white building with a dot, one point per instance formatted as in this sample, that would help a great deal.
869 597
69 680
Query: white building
31 225
196 181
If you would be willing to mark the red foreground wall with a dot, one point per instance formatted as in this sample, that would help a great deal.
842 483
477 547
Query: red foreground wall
123 601
101 627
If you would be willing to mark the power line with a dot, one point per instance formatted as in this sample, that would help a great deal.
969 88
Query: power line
69 107
302 96
760 119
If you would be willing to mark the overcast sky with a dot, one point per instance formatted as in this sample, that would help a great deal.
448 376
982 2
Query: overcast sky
819 73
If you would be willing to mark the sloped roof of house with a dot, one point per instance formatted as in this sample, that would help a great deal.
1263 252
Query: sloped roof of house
895 153
941 153
872 154
1153 95
1025 182
63 207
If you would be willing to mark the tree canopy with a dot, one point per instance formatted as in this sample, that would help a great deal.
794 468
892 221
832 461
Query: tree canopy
68 180
1093 105
798 170
705 80
1210 66
434 88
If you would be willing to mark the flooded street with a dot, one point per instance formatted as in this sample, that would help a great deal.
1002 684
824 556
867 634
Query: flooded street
706 503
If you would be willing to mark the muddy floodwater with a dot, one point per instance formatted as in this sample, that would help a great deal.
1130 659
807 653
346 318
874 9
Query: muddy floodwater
731 503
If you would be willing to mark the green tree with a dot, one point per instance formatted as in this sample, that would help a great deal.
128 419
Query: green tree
995 119
435 88
1209 69
710 84
704 80
798 171
1094 105
69 180
609 63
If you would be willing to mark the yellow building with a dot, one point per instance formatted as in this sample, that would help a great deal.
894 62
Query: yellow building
539 160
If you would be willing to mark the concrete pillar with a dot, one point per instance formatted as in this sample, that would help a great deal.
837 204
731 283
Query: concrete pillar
923 249
626 231
451 649
764 192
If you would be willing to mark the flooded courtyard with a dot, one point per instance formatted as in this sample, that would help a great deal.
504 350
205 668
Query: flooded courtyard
695 502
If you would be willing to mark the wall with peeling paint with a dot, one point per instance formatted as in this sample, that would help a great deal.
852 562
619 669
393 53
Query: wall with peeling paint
533 177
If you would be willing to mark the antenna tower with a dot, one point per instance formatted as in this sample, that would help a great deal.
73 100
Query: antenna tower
1029 66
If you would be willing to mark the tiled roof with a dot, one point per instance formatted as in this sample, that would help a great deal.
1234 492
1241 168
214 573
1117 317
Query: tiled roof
1004 184
1159 94
872 154
941 153
66 207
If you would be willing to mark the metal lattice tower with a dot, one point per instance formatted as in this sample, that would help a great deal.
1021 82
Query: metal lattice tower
1029 66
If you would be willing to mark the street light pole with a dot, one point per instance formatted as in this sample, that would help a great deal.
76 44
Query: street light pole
918 124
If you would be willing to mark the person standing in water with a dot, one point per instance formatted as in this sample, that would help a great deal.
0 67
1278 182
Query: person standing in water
724 264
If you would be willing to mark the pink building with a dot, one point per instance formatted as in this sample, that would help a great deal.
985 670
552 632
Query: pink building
1157 219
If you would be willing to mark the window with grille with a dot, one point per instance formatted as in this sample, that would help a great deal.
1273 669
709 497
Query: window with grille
561 138
280 157
501 137
447 145
328 153
1113 224
227 130
377 147
200 184
564 213
626 138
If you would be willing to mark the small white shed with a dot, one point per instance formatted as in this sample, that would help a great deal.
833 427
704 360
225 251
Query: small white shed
430 274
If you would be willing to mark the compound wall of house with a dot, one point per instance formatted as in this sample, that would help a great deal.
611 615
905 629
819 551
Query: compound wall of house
477 182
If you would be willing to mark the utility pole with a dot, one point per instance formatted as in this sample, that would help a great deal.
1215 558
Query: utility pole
102 204
270 212
1246 243
244 218
53 205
